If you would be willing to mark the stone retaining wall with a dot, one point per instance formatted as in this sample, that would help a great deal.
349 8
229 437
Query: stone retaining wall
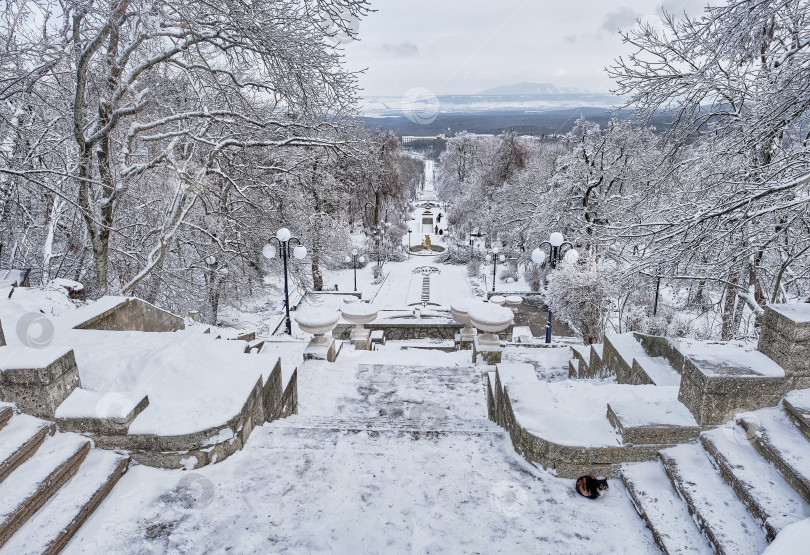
785 338
38 391
134 315
267 401
404 331
566 460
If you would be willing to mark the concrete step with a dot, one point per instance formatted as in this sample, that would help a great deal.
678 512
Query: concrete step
662 510
662 421
34 482
797 406
581 357
595 362
6 412
431 420
719 515
777 439
768 497
620 349
654 370
52 526
100 412
19 439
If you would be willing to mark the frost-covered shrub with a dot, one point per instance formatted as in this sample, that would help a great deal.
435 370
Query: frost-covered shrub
378 271
509 273
454 255
534 277
474 267
581 295
398 256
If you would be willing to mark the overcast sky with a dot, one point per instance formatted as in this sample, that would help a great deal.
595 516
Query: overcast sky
466 46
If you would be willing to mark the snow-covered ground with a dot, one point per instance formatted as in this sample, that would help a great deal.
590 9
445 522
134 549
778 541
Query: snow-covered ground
358 472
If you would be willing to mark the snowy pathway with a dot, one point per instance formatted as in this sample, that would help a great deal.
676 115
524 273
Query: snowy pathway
382 459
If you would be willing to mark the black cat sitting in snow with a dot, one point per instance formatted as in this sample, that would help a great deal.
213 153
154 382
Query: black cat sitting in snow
591 487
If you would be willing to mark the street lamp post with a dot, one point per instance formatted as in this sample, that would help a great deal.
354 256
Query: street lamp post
409 241
494 258
557 246
284 240
353 258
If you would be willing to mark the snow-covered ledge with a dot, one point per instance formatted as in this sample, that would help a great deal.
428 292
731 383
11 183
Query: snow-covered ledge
319 322
360 314
490 319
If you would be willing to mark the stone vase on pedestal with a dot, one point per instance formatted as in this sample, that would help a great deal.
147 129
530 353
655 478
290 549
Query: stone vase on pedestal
360 314
319 323
459 309
490 319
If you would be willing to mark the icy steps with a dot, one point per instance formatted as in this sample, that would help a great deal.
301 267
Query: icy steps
20 437
50 529
741 484
772 502
797 406
50 483
778 439
662 510
430 422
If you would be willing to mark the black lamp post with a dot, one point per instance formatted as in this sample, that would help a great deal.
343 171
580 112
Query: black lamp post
409 241
353 258
282 241
557 246
494 259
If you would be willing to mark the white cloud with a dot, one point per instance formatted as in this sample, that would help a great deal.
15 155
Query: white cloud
621 18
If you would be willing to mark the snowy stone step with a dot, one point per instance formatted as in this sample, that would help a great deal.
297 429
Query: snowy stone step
653 420
431 419
19 439
662 510
619 351
777 439
719 515
52 526
6 412
655 370
797 406
102 412
769 498
596 369
36 480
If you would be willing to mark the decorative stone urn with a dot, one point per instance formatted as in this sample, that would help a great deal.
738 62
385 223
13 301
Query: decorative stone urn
459 309
349 299
490 319
360 314
497 299
513 301
319 322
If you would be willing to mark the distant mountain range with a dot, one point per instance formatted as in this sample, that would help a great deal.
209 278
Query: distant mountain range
521 89
522 97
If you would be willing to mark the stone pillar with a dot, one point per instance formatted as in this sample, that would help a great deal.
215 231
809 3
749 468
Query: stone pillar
785 338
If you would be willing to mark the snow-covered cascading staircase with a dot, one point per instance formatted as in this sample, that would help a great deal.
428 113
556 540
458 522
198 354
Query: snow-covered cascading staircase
732 491
747 476
50 483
